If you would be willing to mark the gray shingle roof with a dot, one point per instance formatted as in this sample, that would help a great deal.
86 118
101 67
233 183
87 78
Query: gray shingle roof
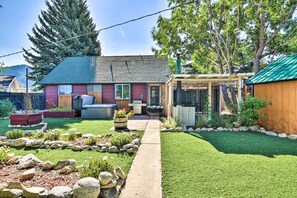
109 69
5 80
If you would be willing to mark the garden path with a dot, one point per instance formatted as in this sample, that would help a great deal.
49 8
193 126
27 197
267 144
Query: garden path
144 178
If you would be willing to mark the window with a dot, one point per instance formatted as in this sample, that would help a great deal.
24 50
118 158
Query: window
94 88
65 90
122 91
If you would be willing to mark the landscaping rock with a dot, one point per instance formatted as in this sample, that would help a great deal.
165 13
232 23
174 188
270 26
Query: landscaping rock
29 161
262 130
203 129
86 187
14 160
235 129
11 193
28 174
111 184
236 124
10 155
282 135
105 177
29 133
243 128
34 143
128 146
163 129
19 142
190 129
15 185
292 137
136 141
3 185
178 129
60 192
210 129
105 158
113 149
78 134
104 148
131 150
110 193
119 172
254 128
107 144
89 135
271 133
48 165
198 130
121 182
67 170
220 129
76 148
35 192
63 163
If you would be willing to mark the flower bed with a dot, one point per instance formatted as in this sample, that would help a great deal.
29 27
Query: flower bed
25 119
59 114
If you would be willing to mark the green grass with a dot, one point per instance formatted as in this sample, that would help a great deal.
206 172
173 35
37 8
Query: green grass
84 126
228 164
82 158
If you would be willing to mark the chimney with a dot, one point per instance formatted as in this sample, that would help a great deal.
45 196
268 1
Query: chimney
178 63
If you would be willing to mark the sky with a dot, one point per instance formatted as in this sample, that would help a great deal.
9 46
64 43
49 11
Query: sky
17 18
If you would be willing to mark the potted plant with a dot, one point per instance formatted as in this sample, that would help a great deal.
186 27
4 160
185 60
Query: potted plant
120 118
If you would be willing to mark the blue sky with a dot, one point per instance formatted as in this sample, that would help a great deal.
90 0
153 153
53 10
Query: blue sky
17 18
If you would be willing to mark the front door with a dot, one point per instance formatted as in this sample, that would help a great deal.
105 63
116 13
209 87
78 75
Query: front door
155 95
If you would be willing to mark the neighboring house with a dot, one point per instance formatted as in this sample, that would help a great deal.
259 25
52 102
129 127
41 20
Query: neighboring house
8 83
111 79
277 83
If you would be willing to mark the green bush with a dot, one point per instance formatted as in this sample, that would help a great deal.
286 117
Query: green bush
91 141
201 121
38 134
216 121
3 155
121 139
248 114
6 108
170 123
71 135
52 135
60 109
15 134
95 167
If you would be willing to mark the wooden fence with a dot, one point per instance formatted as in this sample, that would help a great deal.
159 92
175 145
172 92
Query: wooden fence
19 100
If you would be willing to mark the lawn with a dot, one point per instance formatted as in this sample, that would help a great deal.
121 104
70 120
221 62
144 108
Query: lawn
84 126
228 164
82 158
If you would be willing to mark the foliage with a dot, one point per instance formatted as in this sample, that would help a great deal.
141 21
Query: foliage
52 135
216 121
3 154
6 108
38 134
201 121
29 106
248 114
219 35
123 113
95 167
63 19
91 141
60 109
170 123
233 107
15 134
121 139
71 135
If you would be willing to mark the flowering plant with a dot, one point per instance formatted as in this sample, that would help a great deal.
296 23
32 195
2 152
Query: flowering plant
123 113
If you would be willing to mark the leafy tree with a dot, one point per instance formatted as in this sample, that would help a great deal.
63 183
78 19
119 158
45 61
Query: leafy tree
219 35
66 29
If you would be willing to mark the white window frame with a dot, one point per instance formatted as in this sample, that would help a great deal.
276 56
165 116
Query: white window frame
115 92
65 90
94 85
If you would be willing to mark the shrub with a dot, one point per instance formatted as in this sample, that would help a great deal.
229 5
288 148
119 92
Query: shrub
52 135
201 121
15 134
6 108
60 109
38 134
216 121
95 167
170 123
91 141
71 135
248 114
122 113
121 139
3 154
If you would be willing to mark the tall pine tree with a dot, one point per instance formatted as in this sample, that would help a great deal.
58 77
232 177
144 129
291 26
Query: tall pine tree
59 35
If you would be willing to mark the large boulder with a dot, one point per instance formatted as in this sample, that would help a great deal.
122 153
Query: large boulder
11 193
63 163
28 161
35 192
60 192
28 174
292 137
243 128
86 187
119 172
19 142
110 192
105 177
34 143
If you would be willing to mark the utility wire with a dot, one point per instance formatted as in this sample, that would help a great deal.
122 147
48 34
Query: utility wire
102 29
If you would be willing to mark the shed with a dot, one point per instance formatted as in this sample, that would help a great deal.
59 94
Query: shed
277 83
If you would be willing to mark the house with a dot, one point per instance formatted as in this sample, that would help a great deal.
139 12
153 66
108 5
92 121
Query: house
8 83
277 83
119 80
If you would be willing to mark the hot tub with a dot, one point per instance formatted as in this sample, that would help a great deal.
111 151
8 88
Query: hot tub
102 111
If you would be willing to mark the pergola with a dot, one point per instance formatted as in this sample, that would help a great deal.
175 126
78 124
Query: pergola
201 81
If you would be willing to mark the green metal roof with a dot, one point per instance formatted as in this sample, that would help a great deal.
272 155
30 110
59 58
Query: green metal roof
109 69
282 69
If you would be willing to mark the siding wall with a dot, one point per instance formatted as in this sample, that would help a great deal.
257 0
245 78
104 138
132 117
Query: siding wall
108 94
138 92
51 96
282 113
79 90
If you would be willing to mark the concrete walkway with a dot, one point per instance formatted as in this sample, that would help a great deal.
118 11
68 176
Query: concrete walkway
144 178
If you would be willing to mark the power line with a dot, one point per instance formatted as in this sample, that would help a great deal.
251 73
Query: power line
102 29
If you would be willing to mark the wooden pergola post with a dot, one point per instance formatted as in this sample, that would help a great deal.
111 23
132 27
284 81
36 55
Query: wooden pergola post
170 99
209 101
239 97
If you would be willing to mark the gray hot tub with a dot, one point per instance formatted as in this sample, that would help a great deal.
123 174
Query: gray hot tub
102 111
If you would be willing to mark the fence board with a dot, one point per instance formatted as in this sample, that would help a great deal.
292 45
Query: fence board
19 99
65 101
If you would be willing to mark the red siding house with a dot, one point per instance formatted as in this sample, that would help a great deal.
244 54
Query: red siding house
120 80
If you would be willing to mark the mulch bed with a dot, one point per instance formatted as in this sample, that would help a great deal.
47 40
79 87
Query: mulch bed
46 179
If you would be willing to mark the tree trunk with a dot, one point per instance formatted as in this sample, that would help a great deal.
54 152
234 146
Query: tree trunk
256 64
225 95
233 94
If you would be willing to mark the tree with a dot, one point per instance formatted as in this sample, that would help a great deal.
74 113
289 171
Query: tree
219 35
66 29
